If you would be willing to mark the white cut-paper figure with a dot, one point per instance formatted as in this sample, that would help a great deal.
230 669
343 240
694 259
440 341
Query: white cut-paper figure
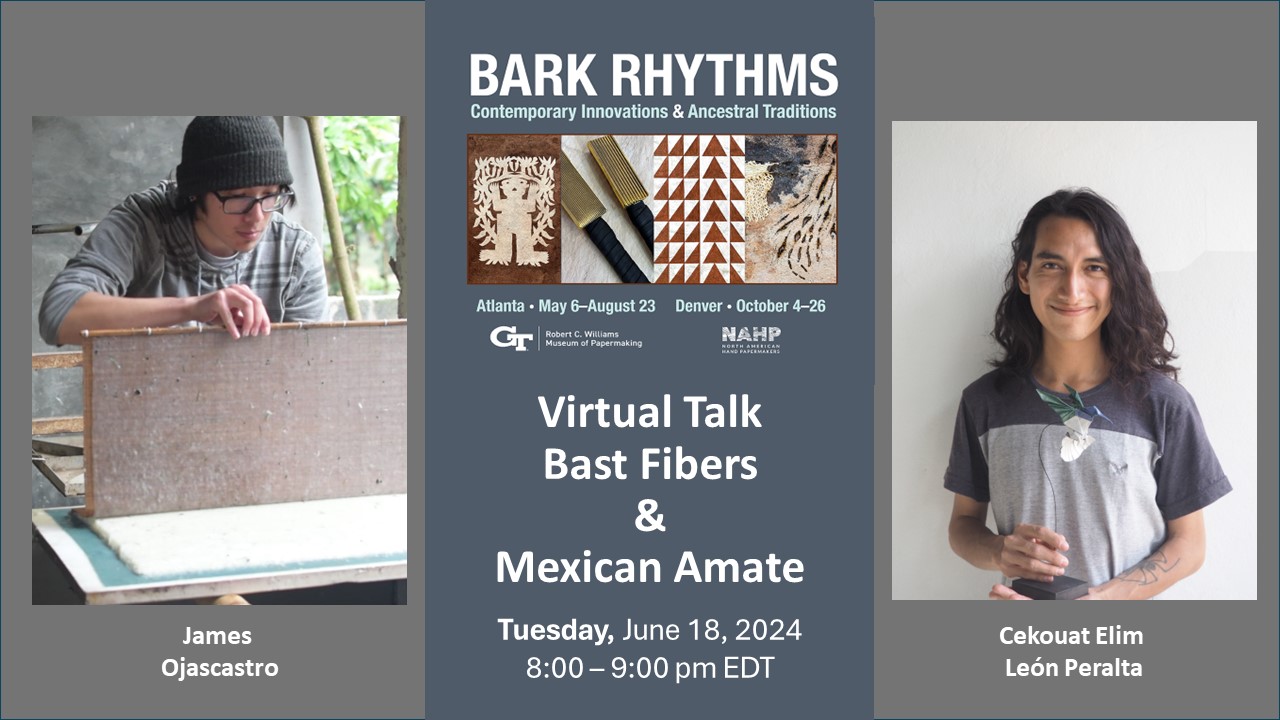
515 206
514 209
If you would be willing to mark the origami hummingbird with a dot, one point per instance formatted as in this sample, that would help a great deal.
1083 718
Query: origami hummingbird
1077 418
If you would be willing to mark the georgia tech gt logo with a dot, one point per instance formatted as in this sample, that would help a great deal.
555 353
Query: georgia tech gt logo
508 336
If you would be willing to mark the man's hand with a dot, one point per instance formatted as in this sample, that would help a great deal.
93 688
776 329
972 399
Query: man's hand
1033 552
1004 592
235 307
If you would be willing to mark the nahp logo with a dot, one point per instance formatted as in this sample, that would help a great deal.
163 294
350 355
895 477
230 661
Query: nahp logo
749 334
752 340
508 336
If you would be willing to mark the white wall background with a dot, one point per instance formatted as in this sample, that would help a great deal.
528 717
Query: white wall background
1189 193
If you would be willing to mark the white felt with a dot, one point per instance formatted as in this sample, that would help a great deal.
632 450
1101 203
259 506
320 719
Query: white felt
243 537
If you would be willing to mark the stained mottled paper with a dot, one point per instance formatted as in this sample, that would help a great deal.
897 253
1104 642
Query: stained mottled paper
791 208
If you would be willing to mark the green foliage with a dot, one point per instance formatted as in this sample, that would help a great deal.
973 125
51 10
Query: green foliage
362 152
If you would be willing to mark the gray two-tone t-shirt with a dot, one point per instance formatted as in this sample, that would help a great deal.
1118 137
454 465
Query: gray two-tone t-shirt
145 247
1150 464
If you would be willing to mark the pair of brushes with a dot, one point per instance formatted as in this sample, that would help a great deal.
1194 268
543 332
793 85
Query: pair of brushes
625 184
586 211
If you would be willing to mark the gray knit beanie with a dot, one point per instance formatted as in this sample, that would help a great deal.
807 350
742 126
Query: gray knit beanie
225 152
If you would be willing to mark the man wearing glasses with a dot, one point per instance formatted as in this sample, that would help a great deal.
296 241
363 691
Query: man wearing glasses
212 248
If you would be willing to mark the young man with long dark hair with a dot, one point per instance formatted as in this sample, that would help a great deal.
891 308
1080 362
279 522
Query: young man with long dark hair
1091 457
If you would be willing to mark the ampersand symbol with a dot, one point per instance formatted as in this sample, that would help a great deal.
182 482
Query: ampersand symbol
677 111
646 521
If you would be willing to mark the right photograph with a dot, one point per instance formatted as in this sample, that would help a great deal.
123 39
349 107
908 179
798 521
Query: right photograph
1074 373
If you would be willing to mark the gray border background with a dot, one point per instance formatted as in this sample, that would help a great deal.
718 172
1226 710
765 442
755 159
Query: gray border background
158 59
1078 61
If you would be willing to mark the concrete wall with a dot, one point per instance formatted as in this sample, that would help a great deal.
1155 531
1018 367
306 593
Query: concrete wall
1188 192
81 167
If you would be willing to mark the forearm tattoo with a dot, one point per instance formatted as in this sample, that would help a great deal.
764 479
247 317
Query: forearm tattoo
1149 571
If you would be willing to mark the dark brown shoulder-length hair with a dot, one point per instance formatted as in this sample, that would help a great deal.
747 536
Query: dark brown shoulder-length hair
1135 331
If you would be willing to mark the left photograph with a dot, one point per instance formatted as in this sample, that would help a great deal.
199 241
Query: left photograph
219 361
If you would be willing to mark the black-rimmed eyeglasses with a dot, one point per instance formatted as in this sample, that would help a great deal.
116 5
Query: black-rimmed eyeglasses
243 205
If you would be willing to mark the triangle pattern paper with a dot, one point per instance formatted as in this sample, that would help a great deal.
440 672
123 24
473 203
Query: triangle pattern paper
714 190
699 207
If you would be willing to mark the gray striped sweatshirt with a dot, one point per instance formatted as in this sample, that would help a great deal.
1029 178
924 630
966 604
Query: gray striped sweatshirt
145 247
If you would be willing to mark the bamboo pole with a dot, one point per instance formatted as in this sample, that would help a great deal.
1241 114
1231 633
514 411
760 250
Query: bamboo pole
75 229
275 327
400 264
315 124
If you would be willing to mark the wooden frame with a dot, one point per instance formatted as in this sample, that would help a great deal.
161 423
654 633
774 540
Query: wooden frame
186 418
